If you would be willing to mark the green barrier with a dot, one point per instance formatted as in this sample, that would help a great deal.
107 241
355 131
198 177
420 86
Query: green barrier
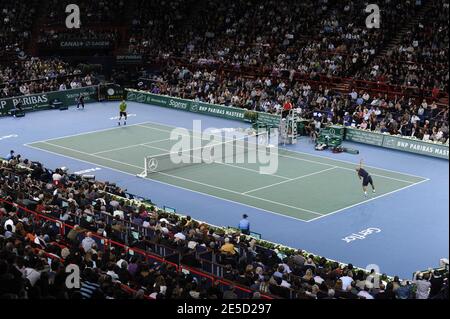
44 101
364 137
398 143
227 112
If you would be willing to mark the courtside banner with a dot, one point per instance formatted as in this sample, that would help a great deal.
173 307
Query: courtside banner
43 101
398 143
232 113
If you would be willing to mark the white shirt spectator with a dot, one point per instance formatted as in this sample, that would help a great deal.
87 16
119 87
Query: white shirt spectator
415 119
180 236
73 84
364 294
118 213
87 243
56 177
24 89
423 288
346 282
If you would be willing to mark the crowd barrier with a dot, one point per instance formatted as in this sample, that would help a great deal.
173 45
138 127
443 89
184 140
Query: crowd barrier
63 228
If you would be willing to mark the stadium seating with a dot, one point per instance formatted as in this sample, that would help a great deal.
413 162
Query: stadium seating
317 54
119 242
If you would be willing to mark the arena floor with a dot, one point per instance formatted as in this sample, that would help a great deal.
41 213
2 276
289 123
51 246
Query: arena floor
402 228
306 187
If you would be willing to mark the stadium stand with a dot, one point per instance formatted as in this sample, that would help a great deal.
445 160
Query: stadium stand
52 215
256 57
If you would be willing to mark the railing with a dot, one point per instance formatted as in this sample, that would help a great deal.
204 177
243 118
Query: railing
124 287
106 244
321 79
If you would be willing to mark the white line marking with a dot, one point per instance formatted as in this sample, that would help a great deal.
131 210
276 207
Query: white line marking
319 156
88 132
290 180
167 184
245 195
355 164
166 150
226 164
117 117
141 124
188 180
286 150
131 146
369 200
348 169
317 163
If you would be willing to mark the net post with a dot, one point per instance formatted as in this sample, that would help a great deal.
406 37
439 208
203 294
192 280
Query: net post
145 172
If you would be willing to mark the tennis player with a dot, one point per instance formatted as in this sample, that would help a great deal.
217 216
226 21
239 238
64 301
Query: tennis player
123 112
366 178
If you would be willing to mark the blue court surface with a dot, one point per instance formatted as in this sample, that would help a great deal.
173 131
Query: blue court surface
400 230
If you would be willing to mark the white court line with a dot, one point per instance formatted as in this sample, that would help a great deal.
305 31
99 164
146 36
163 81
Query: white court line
226 164
131 146
188 180
167 184
141 124
88 132
290 180
242 194
369 200
165 150
319 163
349 169
319 156
356 164
286 150
286 216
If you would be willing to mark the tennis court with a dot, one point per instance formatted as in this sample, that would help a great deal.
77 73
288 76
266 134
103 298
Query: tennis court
306 187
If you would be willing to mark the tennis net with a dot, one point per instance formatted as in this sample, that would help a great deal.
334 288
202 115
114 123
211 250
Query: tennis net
236 150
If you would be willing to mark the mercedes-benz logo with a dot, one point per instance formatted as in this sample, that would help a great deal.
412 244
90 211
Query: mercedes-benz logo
152 164
194 107
131 96
140 98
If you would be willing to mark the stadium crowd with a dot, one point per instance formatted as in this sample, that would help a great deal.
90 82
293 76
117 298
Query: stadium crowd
322 105
277 36
420 59
34 253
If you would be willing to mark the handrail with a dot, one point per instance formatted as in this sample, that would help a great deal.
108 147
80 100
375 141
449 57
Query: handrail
107 241
124 287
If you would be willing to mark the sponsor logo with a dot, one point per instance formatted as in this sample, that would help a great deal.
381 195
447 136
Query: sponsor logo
31 100
152 165
226 148
178 105
361 235
131 96
110 91
140 98
194 107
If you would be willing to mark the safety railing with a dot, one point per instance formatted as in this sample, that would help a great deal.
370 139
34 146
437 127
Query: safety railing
105 244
